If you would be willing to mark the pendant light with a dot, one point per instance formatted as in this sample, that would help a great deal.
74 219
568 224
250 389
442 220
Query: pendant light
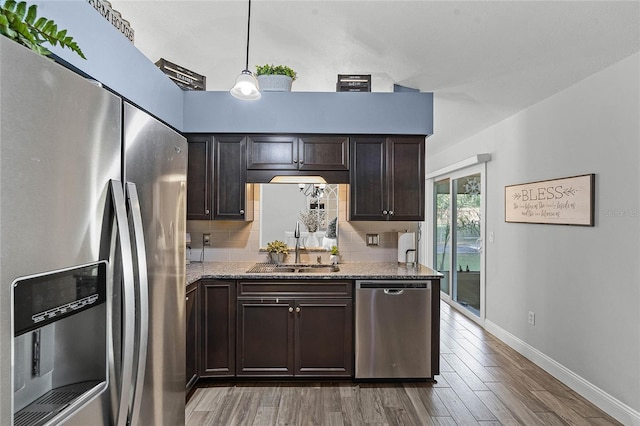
246 87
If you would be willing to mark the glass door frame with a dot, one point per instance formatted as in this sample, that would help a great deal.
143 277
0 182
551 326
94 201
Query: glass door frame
431 249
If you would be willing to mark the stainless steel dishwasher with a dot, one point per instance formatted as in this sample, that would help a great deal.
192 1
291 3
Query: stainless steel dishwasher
393 329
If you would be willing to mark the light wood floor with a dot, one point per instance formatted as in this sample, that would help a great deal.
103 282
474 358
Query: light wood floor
482 381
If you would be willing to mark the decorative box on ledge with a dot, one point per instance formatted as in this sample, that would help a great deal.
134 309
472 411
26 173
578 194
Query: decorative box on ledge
184 78
353 83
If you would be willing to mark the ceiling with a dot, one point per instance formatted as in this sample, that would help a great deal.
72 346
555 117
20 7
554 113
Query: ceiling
484 60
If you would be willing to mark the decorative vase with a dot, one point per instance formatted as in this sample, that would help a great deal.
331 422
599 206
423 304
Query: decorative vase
274 83
277 257
312 240
334 259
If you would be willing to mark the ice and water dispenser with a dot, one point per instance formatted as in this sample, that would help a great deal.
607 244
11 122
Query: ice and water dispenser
60 342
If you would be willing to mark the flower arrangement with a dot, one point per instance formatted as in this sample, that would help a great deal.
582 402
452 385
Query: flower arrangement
312 219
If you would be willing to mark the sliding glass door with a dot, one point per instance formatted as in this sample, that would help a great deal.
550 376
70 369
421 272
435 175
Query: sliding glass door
458 250
442 249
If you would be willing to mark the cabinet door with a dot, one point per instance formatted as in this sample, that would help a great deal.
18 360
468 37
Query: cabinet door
265 338
367 191
218 328
192 322
232 195
323 153
199 179
272 153
405 172
323 337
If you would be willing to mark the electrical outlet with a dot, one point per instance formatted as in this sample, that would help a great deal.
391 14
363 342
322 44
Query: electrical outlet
206 240
373 239
532 318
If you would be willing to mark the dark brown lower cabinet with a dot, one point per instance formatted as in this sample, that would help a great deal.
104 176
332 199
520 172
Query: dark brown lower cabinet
323 337
217 328
300 333
265 338
192 325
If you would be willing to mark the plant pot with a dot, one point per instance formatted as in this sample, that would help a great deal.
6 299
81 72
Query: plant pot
274 83
277 257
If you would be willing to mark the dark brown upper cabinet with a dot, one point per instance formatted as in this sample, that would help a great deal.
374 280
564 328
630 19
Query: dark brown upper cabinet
387 178
233 197
323 153
317 153
217 178
199 177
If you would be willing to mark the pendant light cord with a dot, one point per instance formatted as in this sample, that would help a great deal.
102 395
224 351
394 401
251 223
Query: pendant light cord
246 67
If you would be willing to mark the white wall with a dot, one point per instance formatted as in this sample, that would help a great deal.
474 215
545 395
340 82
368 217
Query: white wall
583 283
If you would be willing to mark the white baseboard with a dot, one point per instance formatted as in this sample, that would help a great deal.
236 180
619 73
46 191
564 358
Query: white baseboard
612 406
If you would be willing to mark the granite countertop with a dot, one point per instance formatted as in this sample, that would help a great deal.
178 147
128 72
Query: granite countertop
350 271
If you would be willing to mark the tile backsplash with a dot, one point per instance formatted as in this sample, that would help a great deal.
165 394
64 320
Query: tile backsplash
240 241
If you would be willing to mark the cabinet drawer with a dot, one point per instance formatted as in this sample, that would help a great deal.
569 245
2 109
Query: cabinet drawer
283 288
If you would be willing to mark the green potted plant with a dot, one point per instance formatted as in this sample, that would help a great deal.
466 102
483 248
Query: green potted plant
335 255
278 251
275 78
18 22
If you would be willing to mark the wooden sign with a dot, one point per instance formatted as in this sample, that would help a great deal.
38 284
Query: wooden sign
353 83
565 201
184 78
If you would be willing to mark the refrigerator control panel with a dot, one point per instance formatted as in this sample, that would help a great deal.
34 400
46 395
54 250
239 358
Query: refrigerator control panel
44 298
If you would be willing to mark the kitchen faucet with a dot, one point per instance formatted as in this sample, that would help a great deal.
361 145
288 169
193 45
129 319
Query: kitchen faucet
296 234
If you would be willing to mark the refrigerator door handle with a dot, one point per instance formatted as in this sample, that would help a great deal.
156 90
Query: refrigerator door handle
143 300
128 302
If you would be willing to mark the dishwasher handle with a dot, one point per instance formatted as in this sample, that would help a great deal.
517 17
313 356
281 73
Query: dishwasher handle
393 284
393 291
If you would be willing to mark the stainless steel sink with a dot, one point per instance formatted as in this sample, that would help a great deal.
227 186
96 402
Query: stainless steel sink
300 268
306 268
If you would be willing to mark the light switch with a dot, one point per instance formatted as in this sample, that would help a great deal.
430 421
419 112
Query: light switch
373 239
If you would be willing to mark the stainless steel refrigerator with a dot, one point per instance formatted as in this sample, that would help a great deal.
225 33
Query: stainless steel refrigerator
92 271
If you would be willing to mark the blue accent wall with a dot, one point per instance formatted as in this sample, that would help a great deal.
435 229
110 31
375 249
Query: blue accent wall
310 112
113 60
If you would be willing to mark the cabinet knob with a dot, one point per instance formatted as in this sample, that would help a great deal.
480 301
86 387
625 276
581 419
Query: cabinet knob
298 309
290 309
391 212
384 212
241 211
295 161
187 298
301 162
206 211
